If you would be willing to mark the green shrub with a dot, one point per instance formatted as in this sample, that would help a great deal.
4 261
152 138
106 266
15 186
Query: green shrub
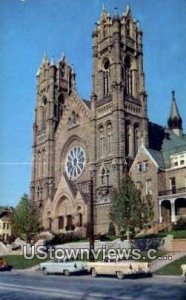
180 225
70 227
62 238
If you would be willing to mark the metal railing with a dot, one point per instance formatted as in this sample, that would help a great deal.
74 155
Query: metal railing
173 191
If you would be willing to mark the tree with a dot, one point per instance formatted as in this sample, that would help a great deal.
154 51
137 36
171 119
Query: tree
128 209
25 221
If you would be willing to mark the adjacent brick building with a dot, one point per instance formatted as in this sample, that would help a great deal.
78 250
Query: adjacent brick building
162 173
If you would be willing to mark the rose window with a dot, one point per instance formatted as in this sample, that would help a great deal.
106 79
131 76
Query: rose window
75 162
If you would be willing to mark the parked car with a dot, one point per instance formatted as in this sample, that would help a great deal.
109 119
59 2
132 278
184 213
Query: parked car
183 267
4 266
120 268
63 266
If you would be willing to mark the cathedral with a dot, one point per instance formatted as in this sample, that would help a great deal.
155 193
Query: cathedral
77 141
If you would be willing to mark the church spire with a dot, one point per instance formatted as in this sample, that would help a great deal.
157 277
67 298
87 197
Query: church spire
175 120
128 11
103 12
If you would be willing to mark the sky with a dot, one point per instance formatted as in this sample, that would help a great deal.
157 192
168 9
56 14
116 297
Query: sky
29 28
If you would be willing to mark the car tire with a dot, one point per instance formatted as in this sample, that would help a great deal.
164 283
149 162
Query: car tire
119 275
66 273
45 272
94 273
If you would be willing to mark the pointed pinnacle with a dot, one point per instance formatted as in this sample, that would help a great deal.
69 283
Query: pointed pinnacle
173 94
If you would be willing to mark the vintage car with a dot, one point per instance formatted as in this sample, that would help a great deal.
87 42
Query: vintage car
120 268
63 266
3 265
183 267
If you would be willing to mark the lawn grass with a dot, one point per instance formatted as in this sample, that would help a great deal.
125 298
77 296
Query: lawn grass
19 262
178 234
173 268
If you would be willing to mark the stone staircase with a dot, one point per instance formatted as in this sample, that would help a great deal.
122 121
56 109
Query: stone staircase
165 260
158 227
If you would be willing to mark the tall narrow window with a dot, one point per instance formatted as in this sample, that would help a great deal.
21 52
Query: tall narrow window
43 113
106 83
109 138
44 163
128 28
69 220
173 184
60 222
127 76
101 138
136 140
80 220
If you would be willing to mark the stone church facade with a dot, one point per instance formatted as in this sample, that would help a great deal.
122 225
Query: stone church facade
76 140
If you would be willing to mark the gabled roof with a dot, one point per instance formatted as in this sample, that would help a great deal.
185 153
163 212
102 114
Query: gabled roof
172 144
155 156
158 157
71 185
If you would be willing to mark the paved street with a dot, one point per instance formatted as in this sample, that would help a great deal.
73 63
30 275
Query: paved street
33 285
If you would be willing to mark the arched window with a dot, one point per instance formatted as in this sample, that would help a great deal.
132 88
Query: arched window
60 222
106 84
44 163
109 138
136 139
128 27
101 141
43 113
80 219
69 220
127 76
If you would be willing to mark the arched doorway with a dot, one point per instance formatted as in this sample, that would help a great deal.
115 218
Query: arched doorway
64 214
180 207
166 211
79 216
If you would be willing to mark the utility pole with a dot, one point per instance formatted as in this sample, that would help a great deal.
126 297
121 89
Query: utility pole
91 237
